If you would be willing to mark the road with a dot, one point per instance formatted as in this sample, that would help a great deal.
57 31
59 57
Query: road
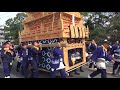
84 74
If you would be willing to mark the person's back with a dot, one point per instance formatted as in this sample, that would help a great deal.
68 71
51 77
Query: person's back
92 46
117 55
114 47
18 49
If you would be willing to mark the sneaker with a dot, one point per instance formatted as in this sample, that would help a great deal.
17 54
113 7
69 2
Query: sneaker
7 77
89 76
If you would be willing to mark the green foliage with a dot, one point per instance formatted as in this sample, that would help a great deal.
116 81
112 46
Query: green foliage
13 26
103 25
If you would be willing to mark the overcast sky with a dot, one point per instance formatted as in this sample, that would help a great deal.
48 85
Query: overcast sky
6 15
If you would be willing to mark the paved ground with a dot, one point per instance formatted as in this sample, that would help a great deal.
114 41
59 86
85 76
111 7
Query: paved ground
84 74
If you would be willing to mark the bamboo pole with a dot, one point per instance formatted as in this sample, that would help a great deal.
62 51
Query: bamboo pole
62 44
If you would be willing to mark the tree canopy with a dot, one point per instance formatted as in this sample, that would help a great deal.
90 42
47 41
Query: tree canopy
13 26
102 25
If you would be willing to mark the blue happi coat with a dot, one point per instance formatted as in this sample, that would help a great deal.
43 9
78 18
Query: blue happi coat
24 54
114 47
35 55
57 55
92 47
100 53
14 54
6 57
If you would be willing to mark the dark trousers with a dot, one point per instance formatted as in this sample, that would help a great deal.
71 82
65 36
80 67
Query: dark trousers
6 68
92 64
24 68
62 73
37 60
118 71
34 71
18 66
98 71
115 66
81 68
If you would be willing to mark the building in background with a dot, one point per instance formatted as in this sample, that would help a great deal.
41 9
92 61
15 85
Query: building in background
2 35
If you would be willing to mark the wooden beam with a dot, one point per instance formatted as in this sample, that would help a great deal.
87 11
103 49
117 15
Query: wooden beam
62 44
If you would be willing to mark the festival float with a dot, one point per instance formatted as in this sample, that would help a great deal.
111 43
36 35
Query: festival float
48 27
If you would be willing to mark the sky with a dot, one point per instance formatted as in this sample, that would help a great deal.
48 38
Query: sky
5 16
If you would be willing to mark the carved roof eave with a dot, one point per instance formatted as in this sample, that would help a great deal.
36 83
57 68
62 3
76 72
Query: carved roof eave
27 20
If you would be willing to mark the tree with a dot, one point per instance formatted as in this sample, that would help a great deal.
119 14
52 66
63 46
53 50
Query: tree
13 26
114 27
102 24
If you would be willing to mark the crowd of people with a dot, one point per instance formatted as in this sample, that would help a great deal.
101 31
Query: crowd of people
97 56
30 55
101 55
